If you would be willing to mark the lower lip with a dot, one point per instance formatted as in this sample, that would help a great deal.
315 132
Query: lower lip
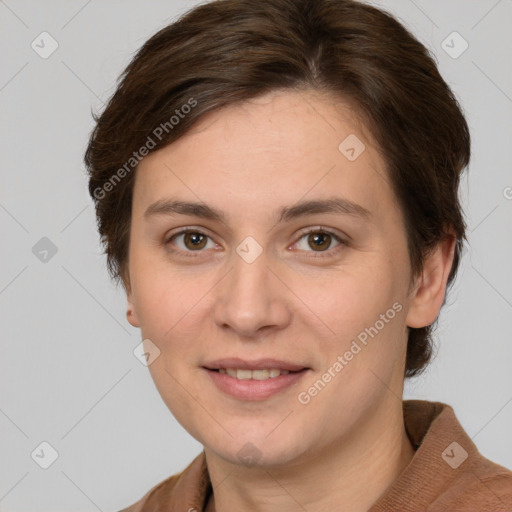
252 389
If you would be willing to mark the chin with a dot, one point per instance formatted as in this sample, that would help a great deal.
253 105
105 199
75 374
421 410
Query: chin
258 451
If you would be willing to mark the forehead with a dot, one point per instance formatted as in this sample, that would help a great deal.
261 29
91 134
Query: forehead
269 151
281 124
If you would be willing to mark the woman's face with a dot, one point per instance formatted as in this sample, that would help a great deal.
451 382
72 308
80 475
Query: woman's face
253 283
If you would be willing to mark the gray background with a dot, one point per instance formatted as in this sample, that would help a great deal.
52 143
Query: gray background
68 375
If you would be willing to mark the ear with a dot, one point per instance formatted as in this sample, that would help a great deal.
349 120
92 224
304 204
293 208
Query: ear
430 288
131 310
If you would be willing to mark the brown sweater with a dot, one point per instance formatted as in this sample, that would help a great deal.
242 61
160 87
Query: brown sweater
447 473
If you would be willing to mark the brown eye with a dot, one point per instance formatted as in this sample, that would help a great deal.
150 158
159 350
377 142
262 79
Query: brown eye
188 241
194 241
319 241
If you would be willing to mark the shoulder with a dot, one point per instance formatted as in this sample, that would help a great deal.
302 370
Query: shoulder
168 484
191 486
447 472
486 487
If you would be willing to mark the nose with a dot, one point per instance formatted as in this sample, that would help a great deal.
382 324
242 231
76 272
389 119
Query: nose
252 300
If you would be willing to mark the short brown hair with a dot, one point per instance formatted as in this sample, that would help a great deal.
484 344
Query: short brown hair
227 51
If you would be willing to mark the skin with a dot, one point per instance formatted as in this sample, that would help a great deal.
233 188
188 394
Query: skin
346 446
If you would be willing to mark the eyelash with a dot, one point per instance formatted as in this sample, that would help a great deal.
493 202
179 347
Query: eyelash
316 254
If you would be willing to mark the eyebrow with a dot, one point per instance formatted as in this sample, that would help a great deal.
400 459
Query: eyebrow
335 205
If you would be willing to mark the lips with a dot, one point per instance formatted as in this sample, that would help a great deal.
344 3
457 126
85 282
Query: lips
259 364
258 379
252 383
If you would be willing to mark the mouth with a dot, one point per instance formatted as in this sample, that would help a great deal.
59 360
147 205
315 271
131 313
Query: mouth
254 380
258 364
244 374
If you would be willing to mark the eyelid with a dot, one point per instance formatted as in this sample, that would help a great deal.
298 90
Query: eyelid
324 229
183 231
328 231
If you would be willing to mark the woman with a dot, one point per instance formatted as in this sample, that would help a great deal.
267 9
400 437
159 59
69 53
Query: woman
276 187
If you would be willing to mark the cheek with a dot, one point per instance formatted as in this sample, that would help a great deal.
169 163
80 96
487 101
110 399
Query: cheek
174 313
349 299
155 307
162 295
362 315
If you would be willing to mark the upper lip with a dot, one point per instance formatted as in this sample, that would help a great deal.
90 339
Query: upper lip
257 364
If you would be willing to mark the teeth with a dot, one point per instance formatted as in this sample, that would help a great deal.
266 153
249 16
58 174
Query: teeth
243 374
253 374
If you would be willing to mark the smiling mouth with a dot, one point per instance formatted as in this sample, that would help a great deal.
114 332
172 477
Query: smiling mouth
260 374
254 379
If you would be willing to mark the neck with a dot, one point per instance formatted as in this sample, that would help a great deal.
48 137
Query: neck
350 475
